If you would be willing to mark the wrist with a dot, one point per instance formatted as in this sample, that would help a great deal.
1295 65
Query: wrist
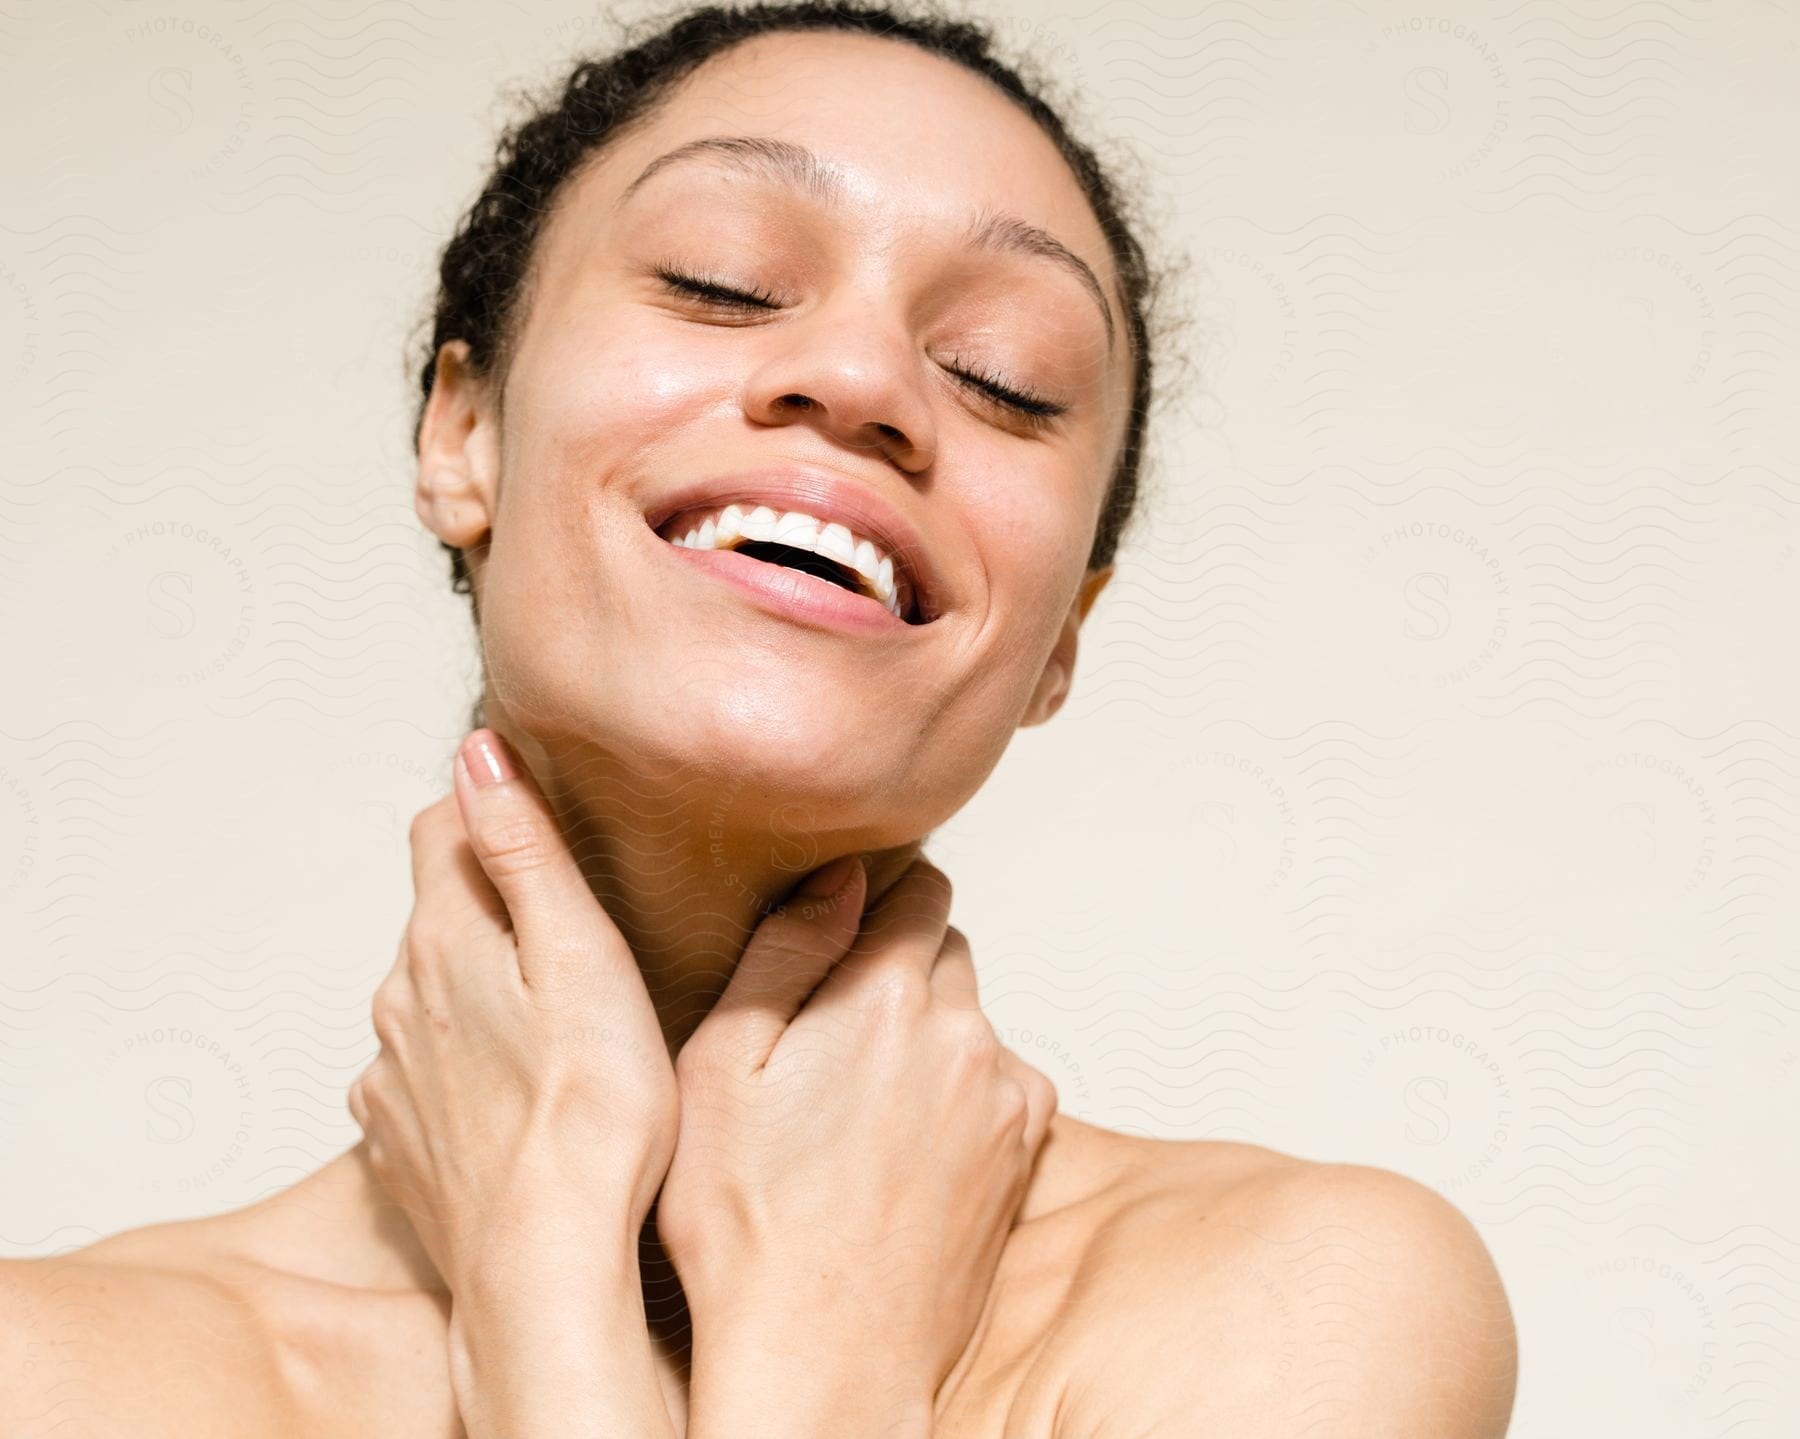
538 1303
575 1362
851 1320
509 1312
763 1398
758 1376
549 1261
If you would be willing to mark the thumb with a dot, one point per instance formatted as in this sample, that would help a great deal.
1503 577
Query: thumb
516 837
792 950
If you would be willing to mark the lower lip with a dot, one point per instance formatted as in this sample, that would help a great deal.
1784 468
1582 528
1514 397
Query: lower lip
793 594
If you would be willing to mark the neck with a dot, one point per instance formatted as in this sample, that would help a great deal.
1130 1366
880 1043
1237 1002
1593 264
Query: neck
685 867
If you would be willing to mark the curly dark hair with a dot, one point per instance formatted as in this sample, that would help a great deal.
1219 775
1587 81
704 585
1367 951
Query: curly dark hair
486 264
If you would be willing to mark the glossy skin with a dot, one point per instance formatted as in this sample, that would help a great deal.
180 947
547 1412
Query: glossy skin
628 677
854 1141
1150 1287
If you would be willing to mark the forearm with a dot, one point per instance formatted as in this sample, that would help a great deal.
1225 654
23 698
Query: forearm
567 1359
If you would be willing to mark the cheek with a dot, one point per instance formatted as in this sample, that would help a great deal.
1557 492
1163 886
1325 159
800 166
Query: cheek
1033 552
589 410
1035 532
614 381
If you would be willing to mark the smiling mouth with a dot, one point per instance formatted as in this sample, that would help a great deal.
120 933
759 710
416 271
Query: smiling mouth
799 541
771 552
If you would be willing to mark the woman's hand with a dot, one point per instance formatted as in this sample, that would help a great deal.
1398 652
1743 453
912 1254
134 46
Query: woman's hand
523 1111
523 1083
850 1161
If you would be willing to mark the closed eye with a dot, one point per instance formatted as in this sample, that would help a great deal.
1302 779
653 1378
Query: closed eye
716 293
1034 410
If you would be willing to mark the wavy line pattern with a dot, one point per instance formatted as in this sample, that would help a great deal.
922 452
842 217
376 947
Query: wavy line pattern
1428 792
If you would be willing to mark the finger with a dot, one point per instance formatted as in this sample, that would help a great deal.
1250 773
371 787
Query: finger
904 927
435 831
370 1101
1040 1100
391 1010
519 843
953 976
446 874
790 952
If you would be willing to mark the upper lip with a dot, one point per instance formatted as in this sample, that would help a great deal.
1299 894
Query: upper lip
829 497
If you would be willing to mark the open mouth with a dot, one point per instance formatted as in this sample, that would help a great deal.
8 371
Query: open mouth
799 541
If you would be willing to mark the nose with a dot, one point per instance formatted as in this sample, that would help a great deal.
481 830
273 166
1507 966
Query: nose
853 377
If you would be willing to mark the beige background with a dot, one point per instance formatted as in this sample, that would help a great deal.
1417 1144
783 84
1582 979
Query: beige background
1430 795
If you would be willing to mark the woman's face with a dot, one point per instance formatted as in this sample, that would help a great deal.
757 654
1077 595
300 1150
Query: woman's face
837 398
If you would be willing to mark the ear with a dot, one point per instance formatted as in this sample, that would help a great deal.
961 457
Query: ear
1059 670
459 452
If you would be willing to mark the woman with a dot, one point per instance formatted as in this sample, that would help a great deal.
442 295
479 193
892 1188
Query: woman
782 415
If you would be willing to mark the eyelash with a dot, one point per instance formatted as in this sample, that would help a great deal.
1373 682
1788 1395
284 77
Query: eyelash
1033 409
718 294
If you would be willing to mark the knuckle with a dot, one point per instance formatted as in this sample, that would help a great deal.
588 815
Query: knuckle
516 844
953 975
431 822
420 943
388 1013
976 1046
975 1033
897 991
567 977
678 1222
422 973
926 870
1013 1105
934 881
435 934
717 1058
367 1091
784 941
693 1061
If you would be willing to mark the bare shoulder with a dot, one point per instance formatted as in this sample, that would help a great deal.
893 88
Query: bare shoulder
94 1343
1239 1290
166 1330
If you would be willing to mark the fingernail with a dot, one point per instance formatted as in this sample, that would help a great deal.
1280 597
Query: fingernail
830 879
484 753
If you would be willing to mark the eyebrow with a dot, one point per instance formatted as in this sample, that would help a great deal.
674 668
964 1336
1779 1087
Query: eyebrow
794 165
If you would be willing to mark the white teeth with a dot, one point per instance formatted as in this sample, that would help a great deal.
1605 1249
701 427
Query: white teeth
834 543
759 524
733 524
796 529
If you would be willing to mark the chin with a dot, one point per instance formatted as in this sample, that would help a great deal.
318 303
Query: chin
738 717
731 736
755 733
